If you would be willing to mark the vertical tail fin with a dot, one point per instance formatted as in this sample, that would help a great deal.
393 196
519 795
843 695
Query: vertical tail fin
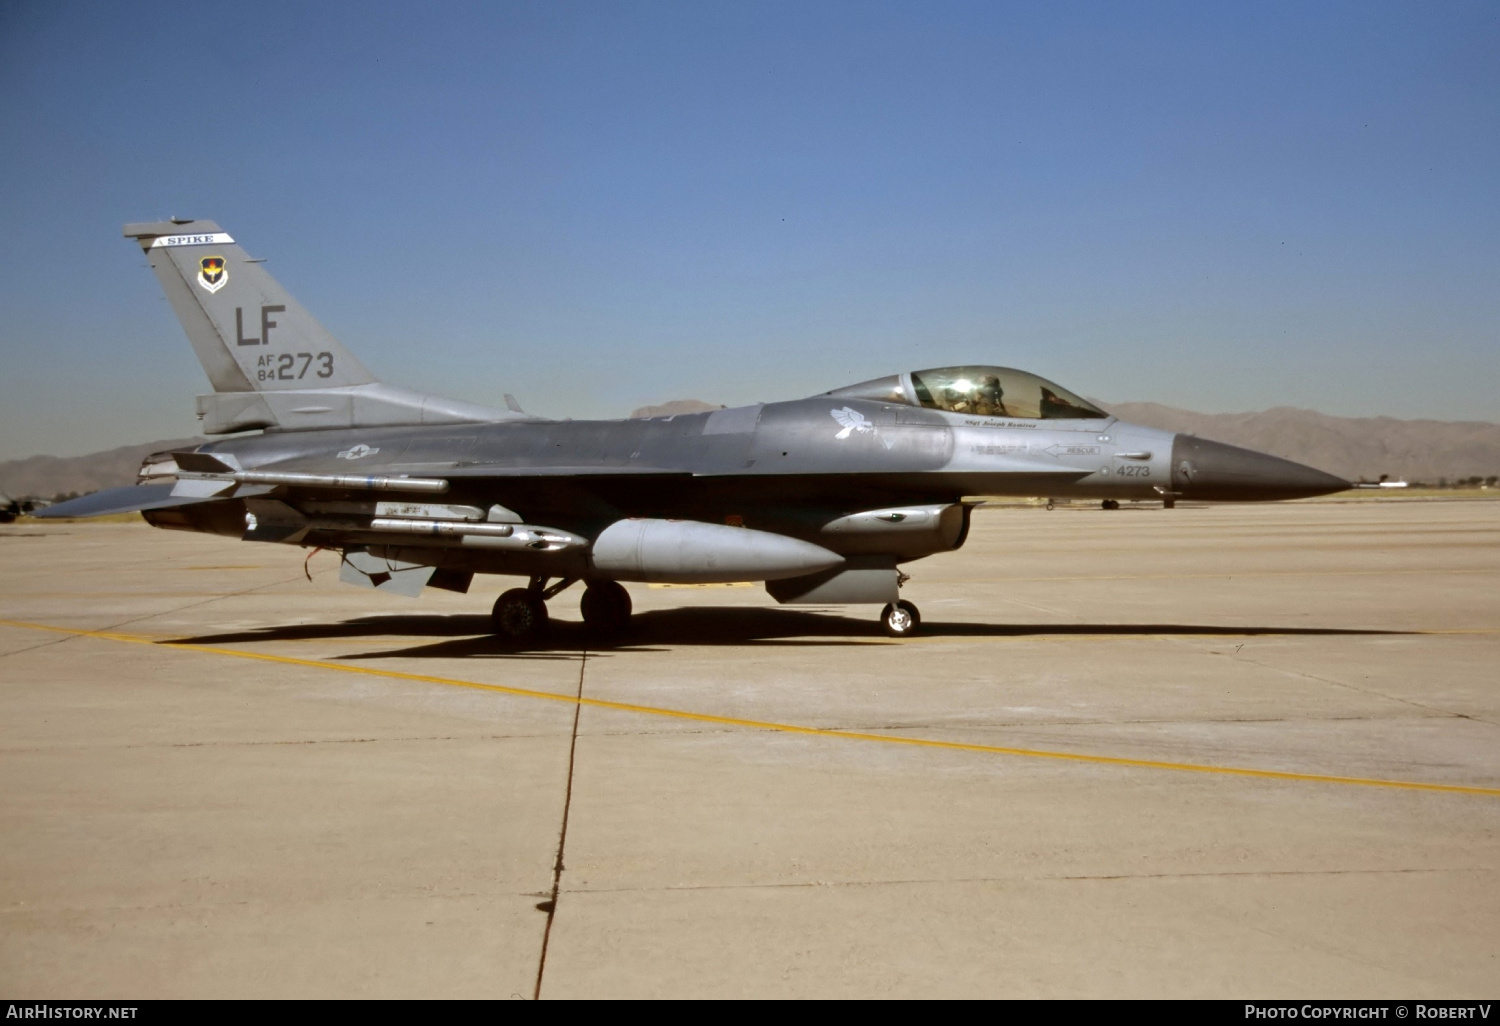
272 365
248 331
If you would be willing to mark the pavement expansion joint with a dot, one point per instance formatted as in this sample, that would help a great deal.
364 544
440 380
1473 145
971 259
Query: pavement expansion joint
549 904
278 742
1194 721
1025 878
1368 692
206 904
152 616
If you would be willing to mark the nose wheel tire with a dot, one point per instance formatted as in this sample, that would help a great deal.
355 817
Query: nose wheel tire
519 615
900 619
606 607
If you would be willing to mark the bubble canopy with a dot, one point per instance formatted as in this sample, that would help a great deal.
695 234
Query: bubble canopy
977 391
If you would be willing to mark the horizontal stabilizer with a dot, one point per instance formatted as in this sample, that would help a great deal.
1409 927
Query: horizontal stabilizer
125 499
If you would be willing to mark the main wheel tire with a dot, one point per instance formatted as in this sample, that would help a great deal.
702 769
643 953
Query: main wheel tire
606 606
519 615
900 619
1110 504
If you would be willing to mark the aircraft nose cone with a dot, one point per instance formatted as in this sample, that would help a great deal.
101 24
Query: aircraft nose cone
1212 470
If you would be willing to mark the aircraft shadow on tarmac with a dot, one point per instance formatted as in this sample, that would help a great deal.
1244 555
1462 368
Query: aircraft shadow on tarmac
467 636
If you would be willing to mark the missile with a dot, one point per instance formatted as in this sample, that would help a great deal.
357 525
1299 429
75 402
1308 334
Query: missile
482 536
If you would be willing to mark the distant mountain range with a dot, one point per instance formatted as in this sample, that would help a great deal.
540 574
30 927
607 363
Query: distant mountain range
47 476
1351 447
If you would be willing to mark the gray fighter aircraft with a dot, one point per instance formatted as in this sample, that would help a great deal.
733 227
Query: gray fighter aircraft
824 499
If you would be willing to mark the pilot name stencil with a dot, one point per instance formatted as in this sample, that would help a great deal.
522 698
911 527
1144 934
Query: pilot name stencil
976 422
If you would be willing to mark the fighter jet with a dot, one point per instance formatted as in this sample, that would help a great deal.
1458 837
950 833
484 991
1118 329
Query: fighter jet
824 499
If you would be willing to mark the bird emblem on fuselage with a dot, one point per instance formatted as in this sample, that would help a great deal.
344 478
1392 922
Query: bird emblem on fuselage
852 422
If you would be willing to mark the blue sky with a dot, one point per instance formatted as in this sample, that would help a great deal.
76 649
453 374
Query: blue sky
600 205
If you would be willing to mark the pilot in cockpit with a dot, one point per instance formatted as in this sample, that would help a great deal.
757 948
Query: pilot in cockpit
956 401
989 398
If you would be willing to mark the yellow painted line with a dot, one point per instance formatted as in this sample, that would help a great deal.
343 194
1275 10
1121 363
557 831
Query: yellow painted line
785 728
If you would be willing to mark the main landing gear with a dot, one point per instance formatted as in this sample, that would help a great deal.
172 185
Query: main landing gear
900 619
606 607
520 615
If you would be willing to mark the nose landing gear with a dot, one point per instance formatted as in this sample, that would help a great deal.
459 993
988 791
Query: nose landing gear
900 619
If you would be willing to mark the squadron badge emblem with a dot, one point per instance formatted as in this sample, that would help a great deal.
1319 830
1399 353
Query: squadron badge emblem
212 274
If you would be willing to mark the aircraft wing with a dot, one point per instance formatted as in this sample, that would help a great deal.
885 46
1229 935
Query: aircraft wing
125 499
